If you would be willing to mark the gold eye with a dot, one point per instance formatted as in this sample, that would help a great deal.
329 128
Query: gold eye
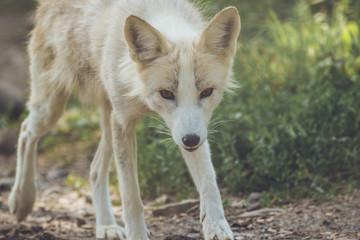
167 94
206 93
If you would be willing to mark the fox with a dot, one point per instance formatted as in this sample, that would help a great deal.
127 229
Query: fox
129 58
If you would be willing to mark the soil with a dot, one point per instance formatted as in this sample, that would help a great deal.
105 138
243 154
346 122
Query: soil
64 211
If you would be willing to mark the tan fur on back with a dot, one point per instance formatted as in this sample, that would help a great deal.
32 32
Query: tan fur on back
60 49
67 43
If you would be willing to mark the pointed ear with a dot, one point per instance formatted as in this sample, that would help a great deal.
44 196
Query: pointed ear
145 42
220 34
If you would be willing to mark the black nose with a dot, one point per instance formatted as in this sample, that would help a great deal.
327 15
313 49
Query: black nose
191 140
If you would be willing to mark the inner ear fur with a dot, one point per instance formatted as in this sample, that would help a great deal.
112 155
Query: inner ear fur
220 34
145 43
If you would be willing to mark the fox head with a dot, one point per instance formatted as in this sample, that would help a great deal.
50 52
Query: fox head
184 81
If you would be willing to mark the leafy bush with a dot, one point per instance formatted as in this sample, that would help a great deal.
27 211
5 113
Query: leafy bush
297 114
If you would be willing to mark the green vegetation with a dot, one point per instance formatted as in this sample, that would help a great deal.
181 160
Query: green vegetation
297 113
75 183
78 123
293 127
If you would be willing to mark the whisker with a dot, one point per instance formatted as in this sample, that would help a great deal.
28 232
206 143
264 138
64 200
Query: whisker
215 123
211 140
161 127
164 133
170 143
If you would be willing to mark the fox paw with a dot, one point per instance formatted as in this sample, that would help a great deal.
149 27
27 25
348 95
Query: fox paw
217 230
145 236
20 203
112 232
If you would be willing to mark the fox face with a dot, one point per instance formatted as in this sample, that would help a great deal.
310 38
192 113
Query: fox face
184 89
184 82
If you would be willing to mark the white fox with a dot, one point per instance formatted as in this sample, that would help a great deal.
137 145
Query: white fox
129 57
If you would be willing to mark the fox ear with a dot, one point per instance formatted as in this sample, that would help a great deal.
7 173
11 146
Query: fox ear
220 34
145 42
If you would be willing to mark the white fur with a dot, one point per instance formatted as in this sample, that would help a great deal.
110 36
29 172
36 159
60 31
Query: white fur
122 63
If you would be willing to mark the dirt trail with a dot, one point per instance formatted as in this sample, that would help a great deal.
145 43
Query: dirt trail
61 212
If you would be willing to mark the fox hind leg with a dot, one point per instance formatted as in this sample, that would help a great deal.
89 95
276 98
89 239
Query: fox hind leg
42 117
46 105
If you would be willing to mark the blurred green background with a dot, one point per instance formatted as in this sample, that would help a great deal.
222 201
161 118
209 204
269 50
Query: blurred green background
293 127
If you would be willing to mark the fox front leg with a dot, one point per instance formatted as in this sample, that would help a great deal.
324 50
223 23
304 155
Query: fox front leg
212 214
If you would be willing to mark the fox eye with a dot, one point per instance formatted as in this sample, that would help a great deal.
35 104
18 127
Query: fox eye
167 94
206 93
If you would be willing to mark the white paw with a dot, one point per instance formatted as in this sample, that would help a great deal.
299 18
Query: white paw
145 235
140 237
111 232
21 202
217 230
136 228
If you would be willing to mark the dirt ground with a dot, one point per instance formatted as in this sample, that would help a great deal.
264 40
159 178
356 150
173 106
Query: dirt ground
65 212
